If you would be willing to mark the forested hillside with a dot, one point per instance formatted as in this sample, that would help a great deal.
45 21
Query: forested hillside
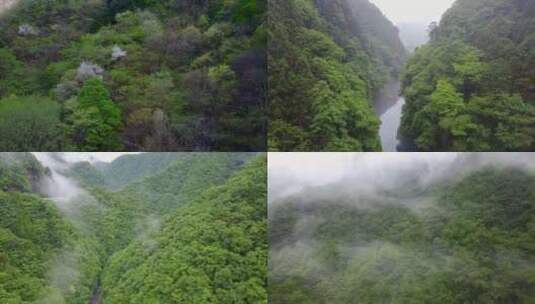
77 249
326 61
39 247
468 239
472 88
133 75
213 250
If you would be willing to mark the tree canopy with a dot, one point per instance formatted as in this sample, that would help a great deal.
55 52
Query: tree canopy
326 61
184 75
482 48
186 228
468 239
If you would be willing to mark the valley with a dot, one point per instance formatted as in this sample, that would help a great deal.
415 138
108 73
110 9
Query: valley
402 228
69 236
466 87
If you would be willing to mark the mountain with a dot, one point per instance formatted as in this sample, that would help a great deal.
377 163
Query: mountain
212 251
63 237
472 87
466 239
326 61
39 247
136 75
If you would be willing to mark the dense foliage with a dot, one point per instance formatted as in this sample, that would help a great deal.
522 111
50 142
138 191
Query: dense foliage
134 75
470 240
52 252
472 87
213 250
327 58
40 249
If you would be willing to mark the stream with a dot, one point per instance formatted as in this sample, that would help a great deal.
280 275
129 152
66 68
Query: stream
388 105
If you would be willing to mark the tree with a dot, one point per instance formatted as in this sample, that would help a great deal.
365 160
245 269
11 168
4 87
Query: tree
96 120
30 124
509 122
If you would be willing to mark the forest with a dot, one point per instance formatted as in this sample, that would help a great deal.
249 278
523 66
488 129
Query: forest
460 232
133 75
472 88
185 228
327 60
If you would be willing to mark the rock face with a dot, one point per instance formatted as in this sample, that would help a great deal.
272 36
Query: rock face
88 70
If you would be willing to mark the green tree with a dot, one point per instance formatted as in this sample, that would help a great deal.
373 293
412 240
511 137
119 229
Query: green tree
97 119
30 123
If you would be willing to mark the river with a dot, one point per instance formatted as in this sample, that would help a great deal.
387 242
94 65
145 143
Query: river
389 105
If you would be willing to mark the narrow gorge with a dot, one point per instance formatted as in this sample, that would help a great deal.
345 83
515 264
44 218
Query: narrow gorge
105 232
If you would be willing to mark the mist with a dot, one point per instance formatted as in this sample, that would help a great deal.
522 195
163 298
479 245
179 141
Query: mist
83 211
95 157
373 173
413 11
413 17
70 198
384 226
6 4
56 185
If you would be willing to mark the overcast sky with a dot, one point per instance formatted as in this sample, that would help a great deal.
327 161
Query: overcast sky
418 11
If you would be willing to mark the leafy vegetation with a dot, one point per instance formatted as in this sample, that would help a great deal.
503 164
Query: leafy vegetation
471 87
213 250
134 75
78 252
39 248
467 240
326 61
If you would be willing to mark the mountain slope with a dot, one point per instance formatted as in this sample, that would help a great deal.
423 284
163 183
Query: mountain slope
63 249
472 88
133 75
326 60
465 240
40 249
213 250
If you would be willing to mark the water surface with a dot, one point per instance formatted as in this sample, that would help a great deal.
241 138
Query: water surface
389 105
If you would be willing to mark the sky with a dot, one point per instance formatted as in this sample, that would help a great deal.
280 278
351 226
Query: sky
413 11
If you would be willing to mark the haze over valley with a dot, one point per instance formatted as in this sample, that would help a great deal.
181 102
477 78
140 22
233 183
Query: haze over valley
106 231
401 228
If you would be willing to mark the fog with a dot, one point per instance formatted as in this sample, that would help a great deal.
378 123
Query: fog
72 200
413 11
57 186
6 4
346 224
290 173
370 173
94 157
